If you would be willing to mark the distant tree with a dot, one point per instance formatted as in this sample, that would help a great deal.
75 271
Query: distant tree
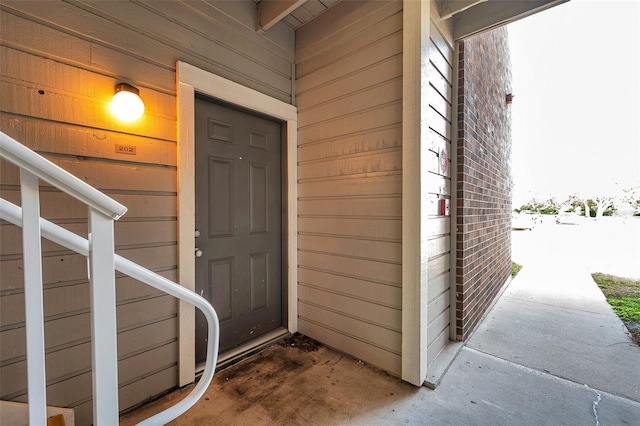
629 201
549 206
601 206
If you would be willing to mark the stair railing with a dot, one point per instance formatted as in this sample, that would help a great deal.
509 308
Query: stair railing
103 262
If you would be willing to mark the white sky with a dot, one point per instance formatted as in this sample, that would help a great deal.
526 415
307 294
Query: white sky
576 111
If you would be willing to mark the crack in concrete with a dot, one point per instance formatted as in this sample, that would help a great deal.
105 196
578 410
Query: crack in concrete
595 404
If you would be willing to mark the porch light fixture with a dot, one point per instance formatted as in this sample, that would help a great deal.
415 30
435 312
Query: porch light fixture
126 104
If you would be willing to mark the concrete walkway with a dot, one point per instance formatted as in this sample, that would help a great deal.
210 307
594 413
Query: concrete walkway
550 352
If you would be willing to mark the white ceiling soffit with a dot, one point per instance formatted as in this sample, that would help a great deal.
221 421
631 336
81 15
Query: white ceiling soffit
294 13
474 17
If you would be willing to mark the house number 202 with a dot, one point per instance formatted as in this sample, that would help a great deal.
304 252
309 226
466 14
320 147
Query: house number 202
124 149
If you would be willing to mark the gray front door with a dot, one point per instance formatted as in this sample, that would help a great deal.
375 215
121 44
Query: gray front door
238 220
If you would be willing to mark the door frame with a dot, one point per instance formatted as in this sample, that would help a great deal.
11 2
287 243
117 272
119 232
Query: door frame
189 80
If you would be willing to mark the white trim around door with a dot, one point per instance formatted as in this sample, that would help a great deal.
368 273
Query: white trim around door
189 81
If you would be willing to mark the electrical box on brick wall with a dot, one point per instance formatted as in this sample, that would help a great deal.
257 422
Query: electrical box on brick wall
443 207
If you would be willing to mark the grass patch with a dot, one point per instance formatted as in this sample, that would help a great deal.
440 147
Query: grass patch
623 294
627 308
515 268
616 287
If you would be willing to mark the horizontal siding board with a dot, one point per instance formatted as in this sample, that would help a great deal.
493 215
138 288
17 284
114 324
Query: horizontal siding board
374 292
440 41
41 40
383 70
126 233
438 246
154 359
372 334
356 308
437 306
436 345
440 54
364 248
66 392
61 299
349 46
22 33
58 206
438 265
389 361
339 23
439 83
127 38
437 143
82 85
57 138
149 386
370 162
66 107
144 311
382 206
440 225
372 119
438 184
371 96
436 326
141 390
437 286
216 31
147 336
440 104
74 329
438 123
380 139
93 28
185 40
73 267
379 229
99 174
357 268
381 50
385 183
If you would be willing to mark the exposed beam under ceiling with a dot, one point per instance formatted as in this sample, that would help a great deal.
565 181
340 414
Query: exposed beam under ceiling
270 12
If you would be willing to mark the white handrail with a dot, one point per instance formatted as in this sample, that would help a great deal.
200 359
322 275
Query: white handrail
13 214
29 160
99 250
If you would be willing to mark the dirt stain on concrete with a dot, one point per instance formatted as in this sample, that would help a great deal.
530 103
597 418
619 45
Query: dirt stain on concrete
296 382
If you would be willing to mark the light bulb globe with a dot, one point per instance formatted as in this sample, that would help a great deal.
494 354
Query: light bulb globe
127 106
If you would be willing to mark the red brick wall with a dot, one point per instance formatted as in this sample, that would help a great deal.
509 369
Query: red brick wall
483 252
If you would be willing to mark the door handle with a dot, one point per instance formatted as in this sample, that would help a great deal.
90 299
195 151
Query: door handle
198 252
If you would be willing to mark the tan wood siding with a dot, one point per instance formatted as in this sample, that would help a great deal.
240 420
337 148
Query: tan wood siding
439 98
59 63
349 97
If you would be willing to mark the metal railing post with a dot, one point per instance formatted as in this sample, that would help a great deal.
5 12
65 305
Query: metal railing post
33 298
103 319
